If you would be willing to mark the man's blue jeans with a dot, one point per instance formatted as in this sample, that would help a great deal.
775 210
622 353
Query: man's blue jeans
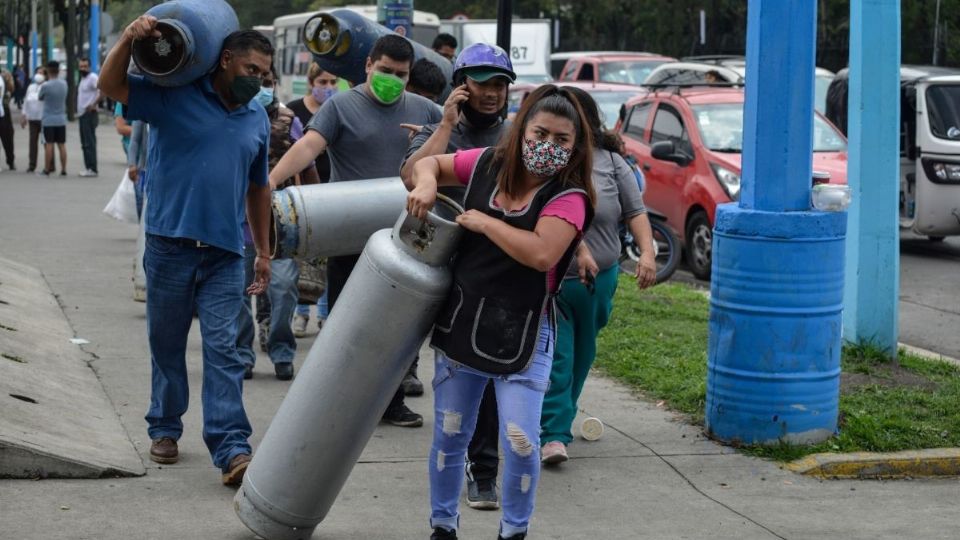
457 392
282 292
182 277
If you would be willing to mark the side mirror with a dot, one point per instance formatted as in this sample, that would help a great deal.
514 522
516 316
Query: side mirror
667 151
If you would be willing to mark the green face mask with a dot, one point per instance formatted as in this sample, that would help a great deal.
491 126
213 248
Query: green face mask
244 88
386 88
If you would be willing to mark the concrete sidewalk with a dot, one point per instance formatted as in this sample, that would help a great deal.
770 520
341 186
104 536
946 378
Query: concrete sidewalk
649 477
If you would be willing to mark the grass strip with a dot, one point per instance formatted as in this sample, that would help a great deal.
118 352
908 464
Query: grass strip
656 343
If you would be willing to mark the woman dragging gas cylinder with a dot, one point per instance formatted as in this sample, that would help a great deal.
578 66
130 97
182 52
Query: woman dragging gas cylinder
528 202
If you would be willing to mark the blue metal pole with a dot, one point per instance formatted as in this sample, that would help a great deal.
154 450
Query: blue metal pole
776 296
34 45
873 248
95 36
778 109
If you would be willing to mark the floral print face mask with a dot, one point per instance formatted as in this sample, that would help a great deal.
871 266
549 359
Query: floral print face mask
544 158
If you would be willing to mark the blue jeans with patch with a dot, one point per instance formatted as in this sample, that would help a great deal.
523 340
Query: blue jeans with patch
180 278
457 393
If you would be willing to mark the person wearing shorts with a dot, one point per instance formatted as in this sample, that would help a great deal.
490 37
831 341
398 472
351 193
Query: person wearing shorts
53 94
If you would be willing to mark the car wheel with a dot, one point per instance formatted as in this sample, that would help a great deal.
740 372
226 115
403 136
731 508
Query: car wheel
699 245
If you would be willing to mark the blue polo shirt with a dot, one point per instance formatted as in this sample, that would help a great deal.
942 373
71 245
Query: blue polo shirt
202 158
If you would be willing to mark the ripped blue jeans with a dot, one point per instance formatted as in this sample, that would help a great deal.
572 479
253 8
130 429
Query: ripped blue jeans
457 392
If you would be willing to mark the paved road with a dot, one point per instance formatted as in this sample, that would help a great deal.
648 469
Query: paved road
649 477
930 294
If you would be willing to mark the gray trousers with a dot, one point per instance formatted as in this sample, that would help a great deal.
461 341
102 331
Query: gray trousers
88 139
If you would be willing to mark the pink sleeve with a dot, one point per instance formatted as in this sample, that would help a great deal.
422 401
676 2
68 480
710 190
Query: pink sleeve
571 208
464 162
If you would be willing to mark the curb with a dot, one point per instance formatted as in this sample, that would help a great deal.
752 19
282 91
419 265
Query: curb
933 462
930 355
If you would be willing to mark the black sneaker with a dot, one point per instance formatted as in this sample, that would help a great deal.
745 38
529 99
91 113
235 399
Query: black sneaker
482 494
284 371
402 416
411 384
518 536
248 371
439 533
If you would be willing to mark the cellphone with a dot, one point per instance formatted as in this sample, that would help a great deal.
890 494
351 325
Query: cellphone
591 284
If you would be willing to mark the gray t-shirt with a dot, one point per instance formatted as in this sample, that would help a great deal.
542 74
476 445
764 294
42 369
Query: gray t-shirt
462 137
618 198
364 138
53 94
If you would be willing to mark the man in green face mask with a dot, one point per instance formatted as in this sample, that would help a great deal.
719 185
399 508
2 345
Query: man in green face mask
362 133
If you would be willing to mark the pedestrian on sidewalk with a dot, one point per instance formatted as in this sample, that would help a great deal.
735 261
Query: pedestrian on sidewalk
209 142
321 86
6 118
53 94
586 297
527 202
137 154
473 117
123 127
21 82
87 98
361 130
32 114
285 130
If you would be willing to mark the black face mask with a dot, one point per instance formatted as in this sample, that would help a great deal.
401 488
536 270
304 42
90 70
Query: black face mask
478 119
243 88
84 73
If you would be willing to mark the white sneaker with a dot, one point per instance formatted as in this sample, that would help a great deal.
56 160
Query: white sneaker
300 326
88 174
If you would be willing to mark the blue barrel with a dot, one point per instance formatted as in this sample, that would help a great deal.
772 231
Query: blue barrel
192 34
341 41
776 301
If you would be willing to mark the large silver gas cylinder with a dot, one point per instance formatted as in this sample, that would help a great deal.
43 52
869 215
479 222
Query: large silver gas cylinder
387 307
333 219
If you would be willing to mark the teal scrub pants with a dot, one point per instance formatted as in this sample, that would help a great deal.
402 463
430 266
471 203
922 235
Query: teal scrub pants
581 317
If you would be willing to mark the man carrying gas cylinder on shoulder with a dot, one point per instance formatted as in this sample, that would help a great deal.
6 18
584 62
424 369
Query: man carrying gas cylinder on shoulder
474 116
208 150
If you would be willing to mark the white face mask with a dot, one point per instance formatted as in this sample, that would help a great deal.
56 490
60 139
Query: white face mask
38 78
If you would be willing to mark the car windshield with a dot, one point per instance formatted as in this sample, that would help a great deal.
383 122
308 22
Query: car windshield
629 71
943 105
721 127
609 104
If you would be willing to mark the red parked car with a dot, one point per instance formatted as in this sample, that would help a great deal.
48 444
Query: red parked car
688 142
622 68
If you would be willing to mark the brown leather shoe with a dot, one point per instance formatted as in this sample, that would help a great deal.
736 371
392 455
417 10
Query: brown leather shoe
164 450
234 474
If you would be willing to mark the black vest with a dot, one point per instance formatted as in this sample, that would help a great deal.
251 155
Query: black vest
491 320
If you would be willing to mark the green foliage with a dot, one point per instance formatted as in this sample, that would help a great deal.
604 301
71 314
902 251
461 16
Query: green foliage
656 342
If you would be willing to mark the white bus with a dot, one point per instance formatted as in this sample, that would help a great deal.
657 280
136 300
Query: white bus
292 57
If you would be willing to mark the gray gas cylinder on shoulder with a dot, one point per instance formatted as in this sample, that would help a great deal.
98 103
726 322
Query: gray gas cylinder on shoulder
385 311
192 34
